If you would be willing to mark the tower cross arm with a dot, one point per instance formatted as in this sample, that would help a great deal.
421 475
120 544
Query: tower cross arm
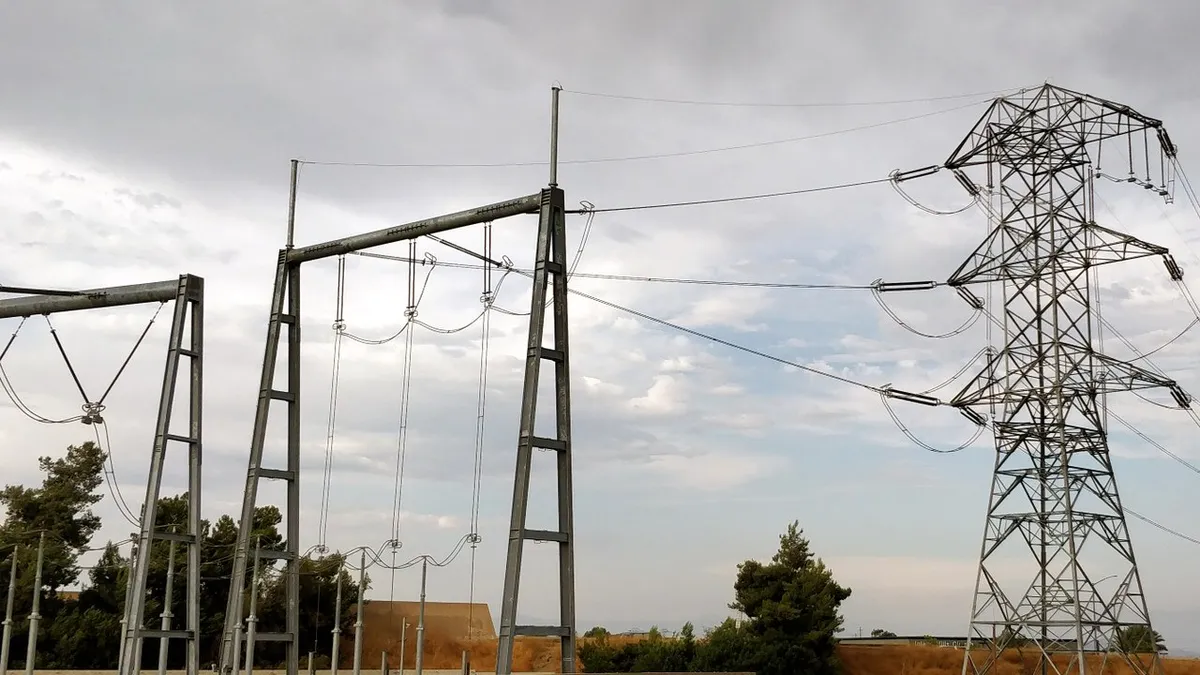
1086 373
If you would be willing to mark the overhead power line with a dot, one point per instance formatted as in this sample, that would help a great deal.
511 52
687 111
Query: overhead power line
1160 526
805 104
636 277
741 198
651 156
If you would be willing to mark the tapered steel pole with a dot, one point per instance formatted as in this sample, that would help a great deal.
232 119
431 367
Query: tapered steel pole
358 624
252 620
8 613
125 609
335 651
164 642
34 617
421 618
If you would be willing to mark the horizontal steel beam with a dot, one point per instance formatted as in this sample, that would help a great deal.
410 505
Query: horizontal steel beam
113 296
420 228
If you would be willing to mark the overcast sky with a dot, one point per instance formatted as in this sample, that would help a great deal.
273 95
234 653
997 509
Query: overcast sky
139 141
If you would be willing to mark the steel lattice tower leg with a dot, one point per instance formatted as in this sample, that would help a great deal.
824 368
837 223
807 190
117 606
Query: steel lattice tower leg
188 319
550 274
285 310
1053 488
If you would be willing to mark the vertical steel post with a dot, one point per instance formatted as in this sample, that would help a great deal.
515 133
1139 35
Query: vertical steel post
252 620
9 606
169 597
285 310
421 619
550 273
34 617
554 92
403 637
291 221
358 623
125 609
195 298
189 298
335 649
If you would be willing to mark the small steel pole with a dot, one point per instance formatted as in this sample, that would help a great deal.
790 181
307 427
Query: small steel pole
291 221
383 664
335 652
8 613
34 617
466 663
125 609
252 620
237 649
554 91
420 619
312 666
164 642
403 636
358 624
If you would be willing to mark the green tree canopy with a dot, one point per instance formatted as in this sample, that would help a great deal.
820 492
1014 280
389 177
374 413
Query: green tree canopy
792 605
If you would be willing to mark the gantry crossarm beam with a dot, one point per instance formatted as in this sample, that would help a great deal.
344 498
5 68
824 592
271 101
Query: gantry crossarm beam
112 296
420 228
1026 122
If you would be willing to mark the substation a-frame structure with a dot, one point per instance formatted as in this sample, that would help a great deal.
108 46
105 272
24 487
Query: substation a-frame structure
186 341
549 278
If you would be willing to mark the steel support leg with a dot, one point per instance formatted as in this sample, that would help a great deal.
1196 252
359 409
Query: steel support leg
549 274
188 301
285 310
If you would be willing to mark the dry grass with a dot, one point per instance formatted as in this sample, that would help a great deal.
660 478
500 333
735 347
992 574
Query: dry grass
446 626
922 660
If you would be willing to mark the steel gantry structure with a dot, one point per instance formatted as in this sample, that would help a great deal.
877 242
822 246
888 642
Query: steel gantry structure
1053 487
549 280
186 341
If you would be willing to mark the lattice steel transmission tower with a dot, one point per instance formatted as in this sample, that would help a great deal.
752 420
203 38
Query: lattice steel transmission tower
1053 489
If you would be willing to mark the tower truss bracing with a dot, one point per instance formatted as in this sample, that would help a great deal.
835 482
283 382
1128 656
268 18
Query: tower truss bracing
286 316
186 342
1057 575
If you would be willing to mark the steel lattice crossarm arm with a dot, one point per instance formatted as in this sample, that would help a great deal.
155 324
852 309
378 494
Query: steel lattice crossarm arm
1021 125
1085 374
1022 256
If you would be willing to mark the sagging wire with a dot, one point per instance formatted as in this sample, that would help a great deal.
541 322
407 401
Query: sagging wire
11 391
430 260
110 476
894 179
339 329
410 313
661 155
1160 526
1159 446
979 429
961 371
878 287
487 298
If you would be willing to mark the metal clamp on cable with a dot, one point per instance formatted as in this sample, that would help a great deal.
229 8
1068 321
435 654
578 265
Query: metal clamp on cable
911 397
973 300
91 413
881 286
972 415
899 176
1173 268
1181 397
